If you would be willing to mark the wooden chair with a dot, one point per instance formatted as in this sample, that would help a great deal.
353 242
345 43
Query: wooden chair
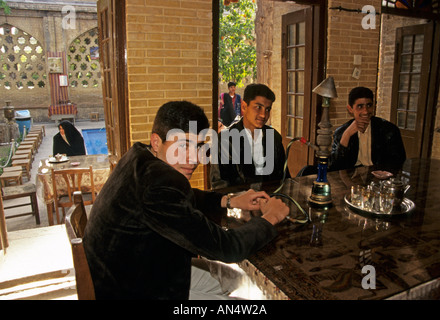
39 129
16 177
25 164
22 191
27 152
30 144
4 243
76 221
65 182
20 157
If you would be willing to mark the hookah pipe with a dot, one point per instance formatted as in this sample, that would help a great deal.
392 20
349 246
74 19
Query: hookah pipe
277 191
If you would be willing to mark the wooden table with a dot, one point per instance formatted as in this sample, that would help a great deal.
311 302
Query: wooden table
101 171
324 258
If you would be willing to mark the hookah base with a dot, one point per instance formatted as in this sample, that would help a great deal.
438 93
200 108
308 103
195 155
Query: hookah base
321 194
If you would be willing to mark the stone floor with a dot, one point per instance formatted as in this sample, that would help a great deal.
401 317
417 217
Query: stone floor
44 151
38 264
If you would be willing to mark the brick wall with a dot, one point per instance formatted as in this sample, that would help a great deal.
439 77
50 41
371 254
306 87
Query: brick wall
347 38
169 52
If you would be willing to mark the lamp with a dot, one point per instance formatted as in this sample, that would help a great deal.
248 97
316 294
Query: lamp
321 191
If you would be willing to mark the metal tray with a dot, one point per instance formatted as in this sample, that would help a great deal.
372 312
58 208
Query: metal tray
406 206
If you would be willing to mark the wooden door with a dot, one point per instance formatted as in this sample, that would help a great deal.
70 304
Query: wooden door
297 84
111 24
411 87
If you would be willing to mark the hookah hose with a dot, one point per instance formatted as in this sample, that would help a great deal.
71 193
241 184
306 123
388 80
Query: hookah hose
277 191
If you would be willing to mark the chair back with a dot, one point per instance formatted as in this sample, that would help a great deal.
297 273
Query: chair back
66 181
76 220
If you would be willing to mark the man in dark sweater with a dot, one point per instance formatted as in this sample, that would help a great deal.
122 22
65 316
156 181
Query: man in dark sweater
250 151
148 223
366 140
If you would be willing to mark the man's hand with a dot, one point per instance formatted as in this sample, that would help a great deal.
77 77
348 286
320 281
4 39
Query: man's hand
249 200
357 125
274 210
362 123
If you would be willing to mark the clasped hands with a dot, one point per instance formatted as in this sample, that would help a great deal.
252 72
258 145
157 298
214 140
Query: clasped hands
272 209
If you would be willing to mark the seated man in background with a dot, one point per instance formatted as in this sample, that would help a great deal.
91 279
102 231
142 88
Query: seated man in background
250 151
147 223
366 140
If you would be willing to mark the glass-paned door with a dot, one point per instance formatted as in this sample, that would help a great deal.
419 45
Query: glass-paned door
410 84
113 68
296 84
295 78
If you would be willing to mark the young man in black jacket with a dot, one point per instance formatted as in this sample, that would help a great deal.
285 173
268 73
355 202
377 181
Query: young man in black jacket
250 151
366 140
147 223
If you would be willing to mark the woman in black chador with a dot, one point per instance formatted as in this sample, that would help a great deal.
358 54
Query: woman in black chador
68 141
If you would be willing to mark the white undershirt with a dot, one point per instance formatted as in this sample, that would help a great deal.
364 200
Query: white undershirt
257 149
364 155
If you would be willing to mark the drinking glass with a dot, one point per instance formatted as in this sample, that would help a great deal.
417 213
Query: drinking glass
357 195
376 200
387 201
367 199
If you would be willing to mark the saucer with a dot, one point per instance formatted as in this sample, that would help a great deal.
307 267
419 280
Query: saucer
54 160
381 174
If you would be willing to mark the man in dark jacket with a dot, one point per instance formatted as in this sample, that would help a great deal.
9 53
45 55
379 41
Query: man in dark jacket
148 223
250 151
230 105
366 140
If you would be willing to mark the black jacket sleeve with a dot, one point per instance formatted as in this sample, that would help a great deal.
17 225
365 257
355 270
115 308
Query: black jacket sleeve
387 148
181 222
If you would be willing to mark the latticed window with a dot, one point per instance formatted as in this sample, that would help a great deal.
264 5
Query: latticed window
22 60
83 61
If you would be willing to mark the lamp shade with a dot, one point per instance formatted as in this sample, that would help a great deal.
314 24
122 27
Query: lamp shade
326 88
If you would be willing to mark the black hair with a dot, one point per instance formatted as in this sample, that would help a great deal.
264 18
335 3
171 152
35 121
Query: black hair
257 89
358 93
230 84
177 115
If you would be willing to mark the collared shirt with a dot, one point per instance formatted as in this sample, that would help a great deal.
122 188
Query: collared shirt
364 155
257 149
